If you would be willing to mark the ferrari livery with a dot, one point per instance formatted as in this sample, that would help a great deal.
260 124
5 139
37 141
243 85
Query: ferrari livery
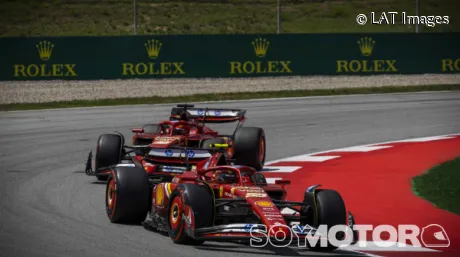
198 195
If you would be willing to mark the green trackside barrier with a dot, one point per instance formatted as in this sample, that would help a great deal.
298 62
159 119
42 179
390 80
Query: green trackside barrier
198 56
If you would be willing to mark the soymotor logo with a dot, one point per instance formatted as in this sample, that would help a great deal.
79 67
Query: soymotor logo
281 235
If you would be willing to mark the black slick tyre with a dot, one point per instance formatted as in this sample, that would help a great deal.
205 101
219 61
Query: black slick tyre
250 147
189 197
127 194
331 212
109 152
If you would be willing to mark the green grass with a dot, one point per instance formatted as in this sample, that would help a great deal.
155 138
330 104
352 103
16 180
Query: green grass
115 17
225 96
441 185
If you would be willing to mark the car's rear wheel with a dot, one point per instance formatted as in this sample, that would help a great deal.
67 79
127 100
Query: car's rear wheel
250 147
109 151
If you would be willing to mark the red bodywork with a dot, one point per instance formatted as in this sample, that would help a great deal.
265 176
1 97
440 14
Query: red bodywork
192 131
259 198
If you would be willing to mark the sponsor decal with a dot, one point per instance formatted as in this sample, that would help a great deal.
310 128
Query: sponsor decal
265 204
206 166
168 187
161 142
200 112
221 191
160 195
273 215
248 227
228 194
260 47
366 47
450 65
126 165
217 112
168 168
274 218
153 49
168 152
190 153
45 69
249 189
164 140
256 195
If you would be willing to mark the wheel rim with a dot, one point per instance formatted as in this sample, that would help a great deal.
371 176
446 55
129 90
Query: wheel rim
175 213
111 196
262 150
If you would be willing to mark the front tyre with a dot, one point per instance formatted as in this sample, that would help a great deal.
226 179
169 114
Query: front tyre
331 212
109 151
127 195
189 203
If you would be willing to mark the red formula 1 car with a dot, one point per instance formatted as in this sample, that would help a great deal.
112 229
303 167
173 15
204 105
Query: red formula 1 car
186 127
213 200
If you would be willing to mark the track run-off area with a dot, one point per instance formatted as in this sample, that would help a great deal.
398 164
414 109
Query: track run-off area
49 207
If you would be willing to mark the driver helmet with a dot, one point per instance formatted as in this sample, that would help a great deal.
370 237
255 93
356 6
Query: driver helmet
181 130
226 177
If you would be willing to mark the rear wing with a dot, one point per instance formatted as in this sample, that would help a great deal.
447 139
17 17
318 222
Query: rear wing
208 115
175 157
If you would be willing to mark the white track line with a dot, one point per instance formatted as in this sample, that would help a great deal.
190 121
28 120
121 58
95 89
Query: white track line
308 158
421 139
361 148
285 169
272 180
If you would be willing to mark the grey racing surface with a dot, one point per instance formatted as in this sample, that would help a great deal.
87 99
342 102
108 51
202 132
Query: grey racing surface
50 207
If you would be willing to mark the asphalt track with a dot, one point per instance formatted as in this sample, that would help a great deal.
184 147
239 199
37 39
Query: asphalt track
49 207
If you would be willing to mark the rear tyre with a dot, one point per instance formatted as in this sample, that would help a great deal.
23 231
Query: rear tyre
109 151
187 198
331 212
249 147
127 195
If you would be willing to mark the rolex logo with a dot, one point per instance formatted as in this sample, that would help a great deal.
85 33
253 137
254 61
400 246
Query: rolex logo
260 46
153 48
45 49
366 44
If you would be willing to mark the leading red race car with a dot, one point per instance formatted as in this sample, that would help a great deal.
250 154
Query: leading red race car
186 127
213 200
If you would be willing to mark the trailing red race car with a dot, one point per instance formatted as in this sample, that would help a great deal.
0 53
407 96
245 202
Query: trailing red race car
186 127
211 199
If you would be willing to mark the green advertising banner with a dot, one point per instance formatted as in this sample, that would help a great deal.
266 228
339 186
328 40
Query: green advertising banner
198 56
